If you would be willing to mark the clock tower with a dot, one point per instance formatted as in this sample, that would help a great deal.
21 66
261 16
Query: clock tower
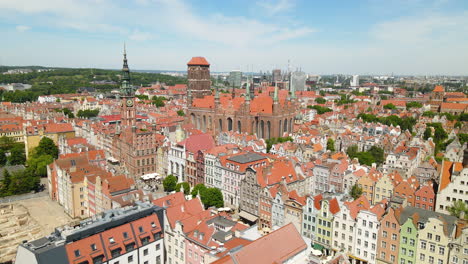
127 96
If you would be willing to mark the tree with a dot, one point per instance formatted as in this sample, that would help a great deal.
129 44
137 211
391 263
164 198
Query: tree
352 151
457 208
5 183
17 155
330 144
198 189
427 133
38 164
356 191
377 154
6 143
369 109
463 117
413 105
389 106
3 157
68 113
322 93
180 113
46 147
212 197
169 183
428 114
186 187
320 100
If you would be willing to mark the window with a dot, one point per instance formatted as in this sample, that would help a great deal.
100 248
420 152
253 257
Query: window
145 252
408 230
402 261
393 247
429 235
93 247
394 237
158 260
422 257
432 247
431 259
130 259
410 253
392 258
384 244
382 255
384 233
140 228
158 246
411 242
405 240
441 250
403 251
423 244
437 238
125 235
77 253
111 240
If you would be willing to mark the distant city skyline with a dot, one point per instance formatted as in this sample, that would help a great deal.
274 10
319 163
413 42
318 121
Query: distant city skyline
403 37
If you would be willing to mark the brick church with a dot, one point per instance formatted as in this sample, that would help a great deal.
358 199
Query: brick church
265 115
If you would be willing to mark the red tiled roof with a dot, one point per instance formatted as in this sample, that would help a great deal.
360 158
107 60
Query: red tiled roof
276 247
334 206
439 88
453 106
198 61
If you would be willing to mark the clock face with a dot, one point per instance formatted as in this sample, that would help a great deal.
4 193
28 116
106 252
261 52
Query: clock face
129 102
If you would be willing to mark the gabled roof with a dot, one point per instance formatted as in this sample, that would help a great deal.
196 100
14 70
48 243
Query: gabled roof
276 247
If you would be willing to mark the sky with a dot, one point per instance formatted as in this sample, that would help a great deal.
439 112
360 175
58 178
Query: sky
423 37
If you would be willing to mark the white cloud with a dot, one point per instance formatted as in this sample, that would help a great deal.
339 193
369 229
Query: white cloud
228 30
273 7
22 28
140 36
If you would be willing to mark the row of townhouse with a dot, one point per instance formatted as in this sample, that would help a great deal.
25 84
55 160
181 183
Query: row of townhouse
194 235
383 233
79 183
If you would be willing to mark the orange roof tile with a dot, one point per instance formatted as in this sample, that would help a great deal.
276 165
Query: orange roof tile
198 61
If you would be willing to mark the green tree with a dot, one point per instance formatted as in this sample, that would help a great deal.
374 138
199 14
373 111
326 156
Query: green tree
169 183
330 144
458 124
463 117
199 188
410 105
369 109
389 106
212 197
428 114
6 182
6 143
180 113
322 93
320 100
462 138
68 113
3 157
356 191
186 187
17 155
352 151
457 208
46 147
427 133
38 164
377 154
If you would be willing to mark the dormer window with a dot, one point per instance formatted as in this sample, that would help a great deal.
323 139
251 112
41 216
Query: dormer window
125 235
93 247
111 240
77 253
153 225
140 228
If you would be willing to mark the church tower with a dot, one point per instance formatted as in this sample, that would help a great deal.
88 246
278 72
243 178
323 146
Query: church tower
127 96
199 80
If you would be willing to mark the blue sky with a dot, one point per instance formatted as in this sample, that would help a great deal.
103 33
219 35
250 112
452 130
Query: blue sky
348 36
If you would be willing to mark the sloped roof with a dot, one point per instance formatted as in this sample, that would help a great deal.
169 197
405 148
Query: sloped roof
198 61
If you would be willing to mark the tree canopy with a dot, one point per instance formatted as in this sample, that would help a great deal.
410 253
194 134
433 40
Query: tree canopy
320 100
169 183
373 155
356 191
457 208
330 144
186 187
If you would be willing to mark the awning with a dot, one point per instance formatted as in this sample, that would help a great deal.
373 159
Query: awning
248 216
318 246
112 159
150 176
316 252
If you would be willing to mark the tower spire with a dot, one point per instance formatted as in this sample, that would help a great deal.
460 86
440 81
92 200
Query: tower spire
275 97
247 90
